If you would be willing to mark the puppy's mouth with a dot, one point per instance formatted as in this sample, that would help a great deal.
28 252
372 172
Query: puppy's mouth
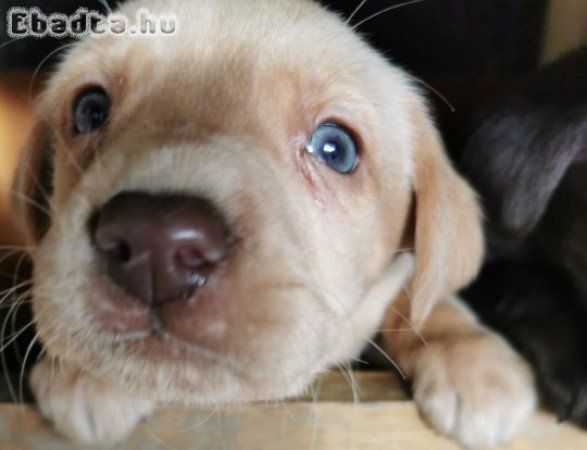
128 317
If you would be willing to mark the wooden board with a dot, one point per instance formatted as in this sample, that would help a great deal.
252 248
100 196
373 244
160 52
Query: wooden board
382 418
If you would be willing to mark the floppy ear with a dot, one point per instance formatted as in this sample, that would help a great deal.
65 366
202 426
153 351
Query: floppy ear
32 185
448 241
518 157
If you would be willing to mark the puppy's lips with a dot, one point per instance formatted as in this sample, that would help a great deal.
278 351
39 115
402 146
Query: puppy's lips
199 318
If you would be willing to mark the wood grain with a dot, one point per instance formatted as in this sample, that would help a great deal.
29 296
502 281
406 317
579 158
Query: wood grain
383 418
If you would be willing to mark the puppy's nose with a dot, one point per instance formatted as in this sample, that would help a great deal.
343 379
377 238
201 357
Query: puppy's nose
159 248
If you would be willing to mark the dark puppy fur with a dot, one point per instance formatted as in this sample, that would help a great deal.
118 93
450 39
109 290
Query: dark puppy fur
528 159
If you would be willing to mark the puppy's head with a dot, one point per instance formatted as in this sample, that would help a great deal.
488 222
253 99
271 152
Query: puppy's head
223 201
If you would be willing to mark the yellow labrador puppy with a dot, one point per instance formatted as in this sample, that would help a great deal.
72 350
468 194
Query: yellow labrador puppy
225 219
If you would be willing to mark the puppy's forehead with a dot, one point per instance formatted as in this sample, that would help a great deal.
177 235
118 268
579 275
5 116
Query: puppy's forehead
230 53
266 70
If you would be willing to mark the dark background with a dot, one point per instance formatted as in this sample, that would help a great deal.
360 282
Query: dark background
432 38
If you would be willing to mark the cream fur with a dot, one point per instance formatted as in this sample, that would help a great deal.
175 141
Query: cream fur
222 110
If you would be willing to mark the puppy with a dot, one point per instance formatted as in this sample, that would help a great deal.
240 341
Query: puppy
527 156
227 216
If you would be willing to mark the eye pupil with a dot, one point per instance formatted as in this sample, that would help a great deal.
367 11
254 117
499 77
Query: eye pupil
90 110
96 116
333 144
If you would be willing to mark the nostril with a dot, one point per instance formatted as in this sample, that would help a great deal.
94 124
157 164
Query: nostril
119 252
114 249
189 257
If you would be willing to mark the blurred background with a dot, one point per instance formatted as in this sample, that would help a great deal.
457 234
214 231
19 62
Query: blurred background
462 49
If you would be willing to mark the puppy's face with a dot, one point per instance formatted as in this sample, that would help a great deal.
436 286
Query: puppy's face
224 200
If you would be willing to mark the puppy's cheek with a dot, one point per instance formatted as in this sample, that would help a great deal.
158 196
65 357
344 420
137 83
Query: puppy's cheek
58 284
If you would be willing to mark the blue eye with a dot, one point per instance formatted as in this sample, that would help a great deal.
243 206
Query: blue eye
90 110
334 145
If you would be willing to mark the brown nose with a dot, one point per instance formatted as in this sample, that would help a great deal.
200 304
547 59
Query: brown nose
159 248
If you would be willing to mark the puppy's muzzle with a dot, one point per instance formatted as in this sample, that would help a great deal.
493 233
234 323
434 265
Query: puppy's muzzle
159 248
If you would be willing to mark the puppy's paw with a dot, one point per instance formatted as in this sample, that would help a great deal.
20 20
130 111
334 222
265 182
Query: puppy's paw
473 388
83 408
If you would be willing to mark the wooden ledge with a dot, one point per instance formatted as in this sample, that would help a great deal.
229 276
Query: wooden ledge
383 418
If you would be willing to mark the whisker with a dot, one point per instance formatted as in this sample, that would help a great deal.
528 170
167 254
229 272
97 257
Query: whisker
8 292
45 196
154 435
13 329
8 378
436 92
220 423
407 320
355 11
17 332
387 357
201 423
7 256
188 428
38 68
20 332
347 371
383 11
25 198
396 330
20 299
9 305
359 360
11 41
3 356
105 4
41 354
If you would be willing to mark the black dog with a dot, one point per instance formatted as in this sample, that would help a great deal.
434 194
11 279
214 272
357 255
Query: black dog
527 157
